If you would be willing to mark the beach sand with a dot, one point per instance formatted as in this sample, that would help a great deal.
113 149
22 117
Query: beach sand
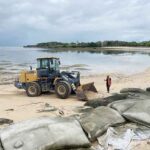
25 107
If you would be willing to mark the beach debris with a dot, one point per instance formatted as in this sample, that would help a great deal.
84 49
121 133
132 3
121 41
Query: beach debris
124 137
115 140
44 133
33 103
6 83
141 132
82 109
47 105
47 108
18 144
5 121
9 109
96 122
61 112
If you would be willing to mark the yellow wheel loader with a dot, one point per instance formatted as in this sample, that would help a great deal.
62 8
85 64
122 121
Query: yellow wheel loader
48 78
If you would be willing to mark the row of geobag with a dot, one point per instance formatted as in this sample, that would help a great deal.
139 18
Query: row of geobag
131 105
58 133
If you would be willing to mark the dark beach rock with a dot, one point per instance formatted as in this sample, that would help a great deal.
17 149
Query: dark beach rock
5 121
97 121
44 133
105 101
9 109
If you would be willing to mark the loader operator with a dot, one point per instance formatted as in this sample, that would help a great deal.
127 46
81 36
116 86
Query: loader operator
108 83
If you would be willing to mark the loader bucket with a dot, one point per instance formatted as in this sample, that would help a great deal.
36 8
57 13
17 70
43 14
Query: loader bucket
84 90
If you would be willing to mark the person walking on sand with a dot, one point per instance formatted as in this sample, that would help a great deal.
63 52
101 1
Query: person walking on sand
108 83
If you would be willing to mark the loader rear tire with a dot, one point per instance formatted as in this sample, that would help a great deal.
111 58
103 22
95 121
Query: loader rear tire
33 89
63 89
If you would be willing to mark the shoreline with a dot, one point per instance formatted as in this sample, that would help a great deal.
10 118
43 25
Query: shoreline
8 79
98 49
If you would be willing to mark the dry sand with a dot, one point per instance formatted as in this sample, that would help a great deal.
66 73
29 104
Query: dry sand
27 107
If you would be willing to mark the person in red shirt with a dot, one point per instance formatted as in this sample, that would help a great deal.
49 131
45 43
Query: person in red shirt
108 83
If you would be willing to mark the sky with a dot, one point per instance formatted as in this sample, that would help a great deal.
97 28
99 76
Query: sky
25 22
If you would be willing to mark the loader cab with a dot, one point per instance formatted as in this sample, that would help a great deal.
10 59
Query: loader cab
47 66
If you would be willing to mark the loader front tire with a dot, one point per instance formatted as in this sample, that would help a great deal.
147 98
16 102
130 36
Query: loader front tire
33 89
63 89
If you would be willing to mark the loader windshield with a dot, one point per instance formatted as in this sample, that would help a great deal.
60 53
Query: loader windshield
43 63
52 64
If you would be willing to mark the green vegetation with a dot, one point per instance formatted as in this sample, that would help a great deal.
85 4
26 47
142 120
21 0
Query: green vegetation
91 44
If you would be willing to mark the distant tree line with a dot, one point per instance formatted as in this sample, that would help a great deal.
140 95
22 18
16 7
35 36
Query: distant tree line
91 44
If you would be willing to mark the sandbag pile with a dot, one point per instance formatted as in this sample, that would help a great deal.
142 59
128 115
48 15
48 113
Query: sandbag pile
133 104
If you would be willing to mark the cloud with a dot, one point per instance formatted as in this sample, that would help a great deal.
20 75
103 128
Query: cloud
31 21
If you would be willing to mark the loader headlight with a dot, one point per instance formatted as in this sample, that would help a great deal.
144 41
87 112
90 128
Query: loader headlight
73 86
